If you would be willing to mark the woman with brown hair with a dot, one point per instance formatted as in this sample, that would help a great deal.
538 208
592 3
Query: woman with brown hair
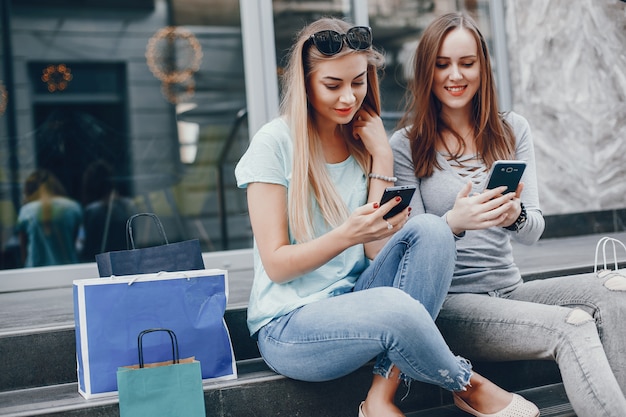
452 135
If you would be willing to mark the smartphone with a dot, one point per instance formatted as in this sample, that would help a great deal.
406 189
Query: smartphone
507 173
404 191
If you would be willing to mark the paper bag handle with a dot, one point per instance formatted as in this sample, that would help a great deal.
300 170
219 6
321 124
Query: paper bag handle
602 244
129 228
175 354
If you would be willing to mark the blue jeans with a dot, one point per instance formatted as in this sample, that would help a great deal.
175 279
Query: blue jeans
389 316
579 321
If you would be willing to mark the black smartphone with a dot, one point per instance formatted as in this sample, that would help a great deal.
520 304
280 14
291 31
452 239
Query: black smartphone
507 173
404 191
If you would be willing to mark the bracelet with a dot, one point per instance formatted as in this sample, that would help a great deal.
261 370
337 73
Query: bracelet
382 177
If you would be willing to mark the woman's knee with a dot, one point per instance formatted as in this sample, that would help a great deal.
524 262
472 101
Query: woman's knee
433 232
429 222
431 226
397 304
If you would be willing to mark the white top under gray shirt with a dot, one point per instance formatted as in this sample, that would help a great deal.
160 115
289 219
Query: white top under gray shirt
484 257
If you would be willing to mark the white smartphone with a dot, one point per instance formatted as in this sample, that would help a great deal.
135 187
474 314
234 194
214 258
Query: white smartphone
404 191
507 173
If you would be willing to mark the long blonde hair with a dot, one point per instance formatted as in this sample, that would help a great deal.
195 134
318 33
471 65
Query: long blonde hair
310 179
494 136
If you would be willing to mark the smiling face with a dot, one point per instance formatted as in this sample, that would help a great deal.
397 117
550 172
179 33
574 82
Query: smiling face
457 71
337 87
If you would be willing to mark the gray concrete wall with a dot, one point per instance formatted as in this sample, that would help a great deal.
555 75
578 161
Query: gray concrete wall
568 71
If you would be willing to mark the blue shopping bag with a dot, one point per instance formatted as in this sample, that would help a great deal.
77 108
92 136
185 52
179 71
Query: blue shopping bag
109 313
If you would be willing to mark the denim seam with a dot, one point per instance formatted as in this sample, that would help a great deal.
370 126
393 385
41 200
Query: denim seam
584 371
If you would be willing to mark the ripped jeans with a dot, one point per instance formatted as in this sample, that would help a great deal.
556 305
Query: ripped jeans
579 321
389 316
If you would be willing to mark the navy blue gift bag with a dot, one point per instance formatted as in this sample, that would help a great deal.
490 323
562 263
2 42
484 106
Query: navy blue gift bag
109 313
178 256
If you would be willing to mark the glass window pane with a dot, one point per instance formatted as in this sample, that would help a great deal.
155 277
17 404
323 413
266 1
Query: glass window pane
131 106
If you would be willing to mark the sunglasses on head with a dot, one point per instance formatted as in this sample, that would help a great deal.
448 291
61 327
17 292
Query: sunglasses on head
330 42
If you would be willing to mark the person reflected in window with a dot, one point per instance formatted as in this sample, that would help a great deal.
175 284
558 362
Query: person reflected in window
336 284
105 212
452 134
48 222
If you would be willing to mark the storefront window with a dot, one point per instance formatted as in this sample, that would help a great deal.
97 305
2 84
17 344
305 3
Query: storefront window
119 107
141 106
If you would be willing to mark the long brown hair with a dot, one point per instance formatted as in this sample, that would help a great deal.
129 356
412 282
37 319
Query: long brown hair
494 136
310 179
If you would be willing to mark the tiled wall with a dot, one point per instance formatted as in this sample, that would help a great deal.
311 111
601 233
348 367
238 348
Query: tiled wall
568 70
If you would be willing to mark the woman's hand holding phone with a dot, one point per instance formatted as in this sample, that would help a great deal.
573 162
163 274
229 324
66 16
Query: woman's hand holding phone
479 211
365 224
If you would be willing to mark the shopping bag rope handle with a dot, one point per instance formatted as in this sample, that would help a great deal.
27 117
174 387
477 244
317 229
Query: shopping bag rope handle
602 243
129 229
175 354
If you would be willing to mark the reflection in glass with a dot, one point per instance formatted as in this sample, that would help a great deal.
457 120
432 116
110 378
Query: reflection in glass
91 110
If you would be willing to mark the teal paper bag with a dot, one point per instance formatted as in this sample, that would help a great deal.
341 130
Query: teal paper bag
165 389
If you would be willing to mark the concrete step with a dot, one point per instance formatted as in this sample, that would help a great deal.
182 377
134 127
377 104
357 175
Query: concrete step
39 378
260 392
38 367
47 356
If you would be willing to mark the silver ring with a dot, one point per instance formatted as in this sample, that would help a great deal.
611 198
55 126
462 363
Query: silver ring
389 226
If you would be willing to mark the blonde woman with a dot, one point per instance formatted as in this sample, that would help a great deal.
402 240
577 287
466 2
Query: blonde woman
336 284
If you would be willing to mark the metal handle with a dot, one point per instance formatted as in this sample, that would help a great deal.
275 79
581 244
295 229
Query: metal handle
129 228
175 354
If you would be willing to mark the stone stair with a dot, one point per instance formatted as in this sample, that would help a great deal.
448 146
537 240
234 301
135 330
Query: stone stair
38 363
39 379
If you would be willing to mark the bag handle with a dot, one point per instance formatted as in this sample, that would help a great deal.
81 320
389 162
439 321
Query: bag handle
175 354
603 242
129 228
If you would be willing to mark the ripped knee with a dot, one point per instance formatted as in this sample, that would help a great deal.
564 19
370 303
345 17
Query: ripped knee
578 316
615 281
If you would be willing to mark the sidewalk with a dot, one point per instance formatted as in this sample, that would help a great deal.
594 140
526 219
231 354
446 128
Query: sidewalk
53 308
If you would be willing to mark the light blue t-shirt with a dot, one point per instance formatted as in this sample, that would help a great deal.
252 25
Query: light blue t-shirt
269 160
54 243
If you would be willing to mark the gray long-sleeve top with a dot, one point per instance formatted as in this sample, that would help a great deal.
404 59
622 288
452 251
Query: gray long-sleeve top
484 257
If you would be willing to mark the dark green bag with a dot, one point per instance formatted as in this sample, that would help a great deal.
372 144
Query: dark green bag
164 389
